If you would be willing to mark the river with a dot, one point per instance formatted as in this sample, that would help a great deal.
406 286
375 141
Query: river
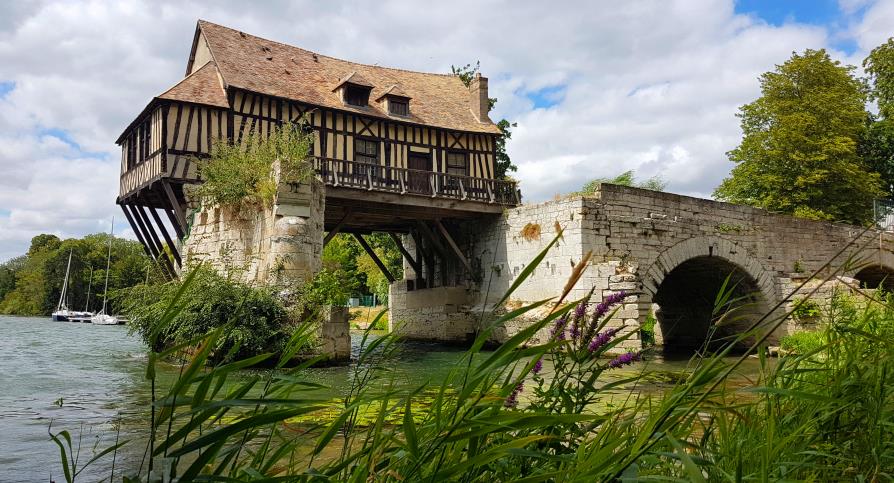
90 380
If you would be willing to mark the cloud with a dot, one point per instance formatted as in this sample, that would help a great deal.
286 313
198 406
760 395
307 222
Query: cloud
595 87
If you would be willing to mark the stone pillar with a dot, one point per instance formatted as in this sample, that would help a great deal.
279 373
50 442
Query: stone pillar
334 333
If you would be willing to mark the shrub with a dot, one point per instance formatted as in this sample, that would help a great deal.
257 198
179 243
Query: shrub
242 173
256 320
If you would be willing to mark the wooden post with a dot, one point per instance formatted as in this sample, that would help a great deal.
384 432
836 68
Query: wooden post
162 255
403 251
374 257
425 255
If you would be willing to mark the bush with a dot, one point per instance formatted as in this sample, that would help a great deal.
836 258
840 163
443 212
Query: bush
803 342
256 319
241 173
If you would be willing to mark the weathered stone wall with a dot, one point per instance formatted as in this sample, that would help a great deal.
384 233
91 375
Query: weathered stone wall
280 244
637 238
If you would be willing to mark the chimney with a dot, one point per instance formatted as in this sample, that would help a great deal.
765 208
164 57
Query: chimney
480 103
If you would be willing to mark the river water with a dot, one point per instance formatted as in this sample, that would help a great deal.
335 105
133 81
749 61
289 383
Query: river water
90 380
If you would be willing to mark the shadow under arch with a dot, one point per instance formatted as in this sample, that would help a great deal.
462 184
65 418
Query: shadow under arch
875 277
684 283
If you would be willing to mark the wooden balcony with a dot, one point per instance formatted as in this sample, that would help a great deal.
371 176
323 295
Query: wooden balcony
401 181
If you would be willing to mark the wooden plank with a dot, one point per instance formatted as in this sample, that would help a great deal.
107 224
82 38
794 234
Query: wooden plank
453 245
423 254
431 237
337 228
375 258
403 251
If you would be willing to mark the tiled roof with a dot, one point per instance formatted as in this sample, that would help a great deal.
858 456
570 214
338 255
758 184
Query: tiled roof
353 78
395 91
202 86
276 69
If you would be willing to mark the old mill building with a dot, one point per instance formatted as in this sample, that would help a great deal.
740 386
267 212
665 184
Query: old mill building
413 154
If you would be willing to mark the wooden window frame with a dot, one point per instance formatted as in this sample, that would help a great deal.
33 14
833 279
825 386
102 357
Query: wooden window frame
465 167
360 93
399 102
375 142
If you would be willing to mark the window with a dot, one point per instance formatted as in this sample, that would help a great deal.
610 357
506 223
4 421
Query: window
356 95
366 151
399 107
458 164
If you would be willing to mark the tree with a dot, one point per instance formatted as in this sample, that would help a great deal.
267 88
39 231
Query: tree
502 165
798 153
627 178
877 145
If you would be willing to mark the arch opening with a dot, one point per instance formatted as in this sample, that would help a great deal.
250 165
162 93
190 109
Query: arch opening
685 302
876 277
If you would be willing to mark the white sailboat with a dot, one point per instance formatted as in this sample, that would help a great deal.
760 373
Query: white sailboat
102 318
62 313
86 314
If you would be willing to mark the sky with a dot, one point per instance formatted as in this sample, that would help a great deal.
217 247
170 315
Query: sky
595 87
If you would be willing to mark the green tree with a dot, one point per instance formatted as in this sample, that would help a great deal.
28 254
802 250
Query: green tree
8 271
799 153
627 178
503 164
877 145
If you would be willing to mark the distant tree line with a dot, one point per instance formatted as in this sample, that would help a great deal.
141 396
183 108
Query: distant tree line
31 284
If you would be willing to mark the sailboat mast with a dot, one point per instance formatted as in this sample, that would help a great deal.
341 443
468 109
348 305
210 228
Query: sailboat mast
89 286
65 283
108 263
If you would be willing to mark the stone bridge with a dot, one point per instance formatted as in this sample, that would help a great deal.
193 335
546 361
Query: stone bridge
672 253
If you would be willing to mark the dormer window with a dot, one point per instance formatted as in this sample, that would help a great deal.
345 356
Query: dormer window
399 107
356 95
354 90
397 102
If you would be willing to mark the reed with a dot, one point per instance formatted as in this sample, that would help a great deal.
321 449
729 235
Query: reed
536 412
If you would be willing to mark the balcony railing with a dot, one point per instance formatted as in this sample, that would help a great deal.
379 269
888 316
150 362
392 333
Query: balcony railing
371 177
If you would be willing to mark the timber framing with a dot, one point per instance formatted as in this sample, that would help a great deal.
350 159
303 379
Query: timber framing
162 147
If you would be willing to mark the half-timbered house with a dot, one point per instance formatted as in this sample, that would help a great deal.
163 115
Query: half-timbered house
398 151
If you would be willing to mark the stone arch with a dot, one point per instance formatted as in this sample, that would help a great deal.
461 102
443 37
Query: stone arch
876 271
684 280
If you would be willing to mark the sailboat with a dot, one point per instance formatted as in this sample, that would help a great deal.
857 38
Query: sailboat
62 313
86 314
102 318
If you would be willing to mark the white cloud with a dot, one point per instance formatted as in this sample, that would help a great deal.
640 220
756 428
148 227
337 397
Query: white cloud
652 86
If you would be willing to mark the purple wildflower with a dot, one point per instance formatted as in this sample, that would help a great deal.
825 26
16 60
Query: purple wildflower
579 312
538 366
624 359
558 330
602 338
607 303
512 399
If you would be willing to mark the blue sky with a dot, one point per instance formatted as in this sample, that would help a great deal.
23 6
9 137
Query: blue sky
596 87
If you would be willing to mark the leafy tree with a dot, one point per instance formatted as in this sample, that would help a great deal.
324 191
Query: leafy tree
8 272
502 165
627 178
877 145
799 153
39 275
347 262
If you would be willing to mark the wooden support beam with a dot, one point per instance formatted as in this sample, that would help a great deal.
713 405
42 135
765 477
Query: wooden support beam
174 205
425 255
337 228
375 258
164 233
432 238
453 245
136 230
403 251
148 243
160 249
174 223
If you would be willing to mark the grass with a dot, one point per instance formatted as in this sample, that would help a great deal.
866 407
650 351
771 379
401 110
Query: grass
823 415
363 317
